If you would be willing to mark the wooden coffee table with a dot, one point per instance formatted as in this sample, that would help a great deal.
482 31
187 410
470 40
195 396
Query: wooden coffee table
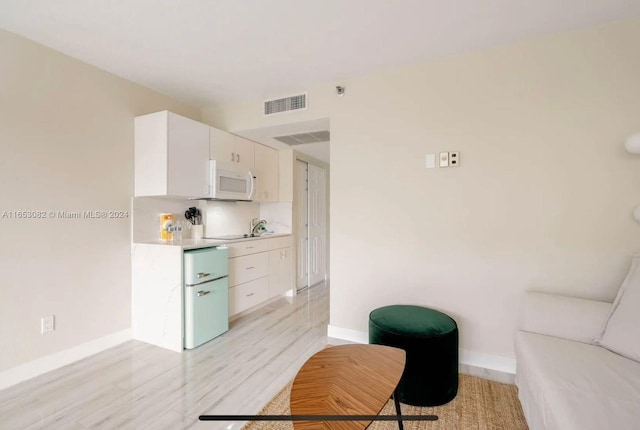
346 380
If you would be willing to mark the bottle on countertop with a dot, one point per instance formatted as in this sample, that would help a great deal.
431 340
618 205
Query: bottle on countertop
166 226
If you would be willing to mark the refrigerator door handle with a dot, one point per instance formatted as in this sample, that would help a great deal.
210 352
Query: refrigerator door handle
202 275
203 293
206 282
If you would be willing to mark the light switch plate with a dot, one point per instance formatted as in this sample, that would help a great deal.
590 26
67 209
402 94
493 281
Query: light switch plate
444 159
47 324
431 161
454 159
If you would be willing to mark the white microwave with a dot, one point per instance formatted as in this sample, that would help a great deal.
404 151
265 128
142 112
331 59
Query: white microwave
230 184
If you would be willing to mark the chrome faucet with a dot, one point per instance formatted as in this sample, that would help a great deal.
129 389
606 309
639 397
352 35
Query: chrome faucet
257 224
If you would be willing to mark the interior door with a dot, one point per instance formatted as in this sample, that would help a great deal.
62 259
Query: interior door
301 226
317 219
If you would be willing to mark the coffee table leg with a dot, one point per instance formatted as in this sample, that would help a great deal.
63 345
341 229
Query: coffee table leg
398 411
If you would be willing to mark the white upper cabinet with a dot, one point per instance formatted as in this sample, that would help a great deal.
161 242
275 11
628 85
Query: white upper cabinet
171 156
266 173
244 153
221 146
235 151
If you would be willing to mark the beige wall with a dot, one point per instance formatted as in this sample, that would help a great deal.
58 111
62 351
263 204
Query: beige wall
66 142
542 198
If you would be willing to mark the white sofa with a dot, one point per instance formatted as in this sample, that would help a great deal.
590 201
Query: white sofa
565 381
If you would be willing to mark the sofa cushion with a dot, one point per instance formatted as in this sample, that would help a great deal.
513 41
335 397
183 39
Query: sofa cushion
566 317
566 385
622 330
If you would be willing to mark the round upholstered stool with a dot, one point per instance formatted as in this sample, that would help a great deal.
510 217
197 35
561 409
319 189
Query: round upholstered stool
430 340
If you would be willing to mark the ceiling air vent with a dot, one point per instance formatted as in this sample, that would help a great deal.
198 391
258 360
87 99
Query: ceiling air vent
286 104
302 138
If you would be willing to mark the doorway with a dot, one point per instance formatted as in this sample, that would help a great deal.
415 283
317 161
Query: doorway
310 224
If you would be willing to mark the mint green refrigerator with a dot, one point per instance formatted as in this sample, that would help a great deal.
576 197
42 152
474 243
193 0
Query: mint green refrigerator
206 295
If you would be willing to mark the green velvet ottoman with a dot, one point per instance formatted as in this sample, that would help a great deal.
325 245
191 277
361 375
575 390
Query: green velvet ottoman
430 340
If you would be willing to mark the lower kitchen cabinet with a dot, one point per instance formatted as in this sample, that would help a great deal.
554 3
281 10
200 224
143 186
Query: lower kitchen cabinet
248 267
248 295
259 270
280 271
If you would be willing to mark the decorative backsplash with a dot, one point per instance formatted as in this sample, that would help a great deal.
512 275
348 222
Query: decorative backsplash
224 218
219 218
146 216
279 216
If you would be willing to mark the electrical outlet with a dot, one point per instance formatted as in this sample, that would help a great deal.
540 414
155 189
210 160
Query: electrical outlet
47 324
454 159
444 159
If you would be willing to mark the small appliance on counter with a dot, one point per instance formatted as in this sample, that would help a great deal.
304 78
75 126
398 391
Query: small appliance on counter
206 295
194 216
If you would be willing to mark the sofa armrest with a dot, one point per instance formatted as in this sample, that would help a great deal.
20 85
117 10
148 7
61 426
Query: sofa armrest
570 318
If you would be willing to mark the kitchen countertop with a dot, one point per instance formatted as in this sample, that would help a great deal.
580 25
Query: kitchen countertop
205 243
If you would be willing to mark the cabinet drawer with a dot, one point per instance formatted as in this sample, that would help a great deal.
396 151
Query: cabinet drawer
280 242
248 247
249 294
248 267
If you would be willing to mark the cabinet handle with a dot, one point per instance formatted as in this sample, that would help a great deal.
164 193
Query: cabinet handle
249 295
203 293
238 158
232 156
202 275
249 268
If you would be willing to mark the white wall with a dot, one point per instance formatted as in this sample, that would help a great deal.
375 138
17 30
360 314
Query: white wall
66 143
542 198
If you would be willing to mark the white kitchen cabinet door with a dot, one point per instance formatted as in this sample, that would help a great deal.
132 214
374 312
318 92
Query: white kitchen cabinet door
188 157
266 173
248 267
249 247
248 295
234 151
244 152
222 146
171 156
280 271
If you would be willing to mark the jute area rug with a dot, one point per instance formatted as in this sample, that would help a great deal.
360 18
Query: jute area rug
480 405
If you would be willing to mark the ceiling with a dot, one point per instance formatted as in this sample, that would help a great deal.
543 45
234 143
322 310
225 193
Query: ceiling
213 52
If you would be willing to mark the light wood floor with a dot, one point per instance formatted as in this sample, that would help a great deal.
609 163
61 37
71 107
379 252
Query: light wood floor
136 385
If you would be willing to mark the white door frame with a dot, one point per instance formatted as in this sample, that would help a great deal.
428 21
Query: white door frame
300 224
311 219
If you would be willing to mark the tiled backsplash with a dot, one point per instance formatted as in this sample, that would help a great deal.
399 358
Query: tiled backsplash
222 218
146 216
219 218
279 216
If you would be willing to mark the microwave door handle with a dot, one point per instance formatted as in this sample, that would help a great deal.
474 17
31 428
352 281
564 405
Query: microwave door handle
252 185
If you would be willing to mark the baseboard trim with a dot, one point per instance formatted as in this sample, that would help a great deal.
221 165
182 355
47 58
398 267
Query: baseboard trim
347 334
469 358
59 359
